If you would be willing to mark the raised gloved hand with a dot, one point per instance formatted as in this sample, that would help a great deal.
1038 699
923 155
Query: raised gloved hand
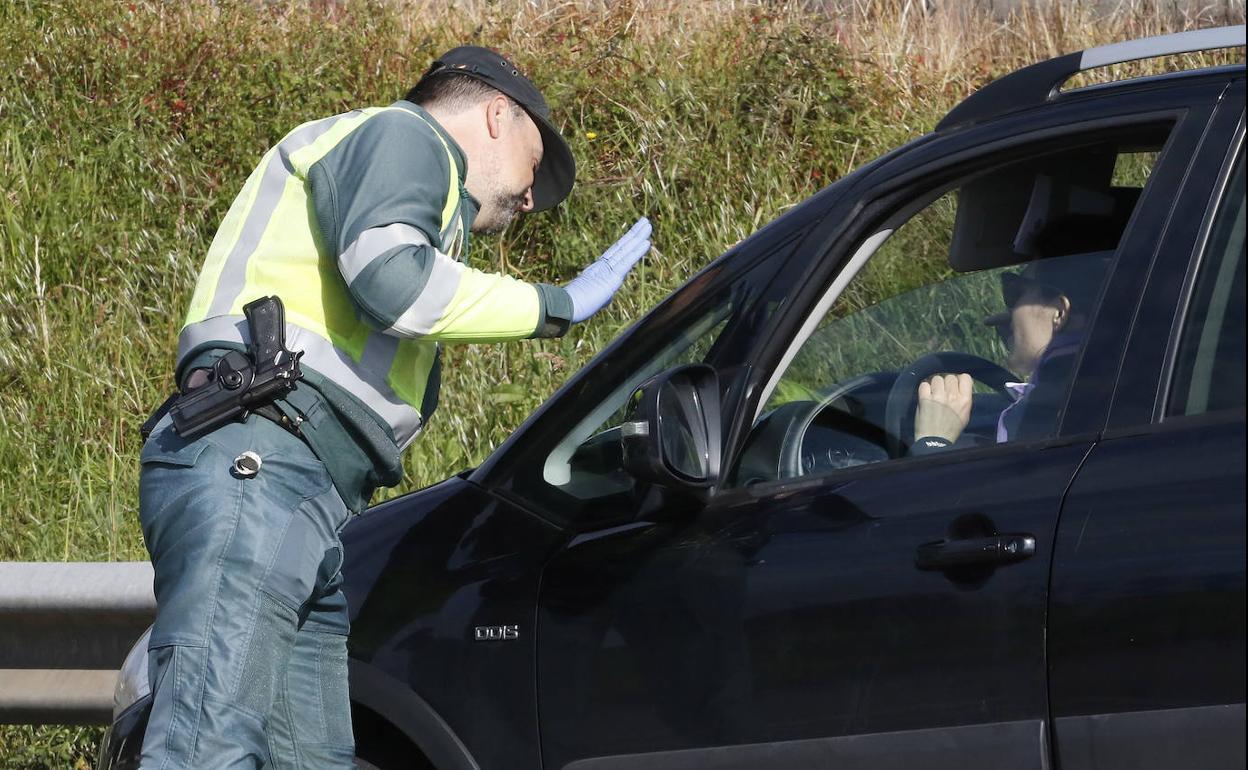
593 288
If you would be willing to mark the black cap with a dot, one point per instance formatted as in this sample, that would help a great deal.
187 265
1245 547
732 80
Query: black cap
557 171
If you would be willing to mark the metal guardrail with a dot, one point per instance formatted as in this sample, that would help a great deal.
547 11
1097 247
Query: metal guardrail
65 628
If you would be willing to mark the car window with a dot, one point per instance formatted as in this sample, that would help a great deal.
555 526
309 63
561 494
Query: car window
991 287
586 464
572 468
1209 366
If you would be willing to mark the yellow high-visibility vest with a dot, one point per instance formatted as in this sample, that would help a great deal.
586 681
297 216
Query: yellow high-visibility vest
270 243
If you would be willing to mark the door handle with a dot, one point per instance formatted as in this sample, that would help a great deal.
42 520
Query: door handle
996 549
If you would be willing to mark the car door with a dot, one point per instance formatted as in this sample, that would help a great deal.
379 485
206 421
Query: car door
840 599
1147 619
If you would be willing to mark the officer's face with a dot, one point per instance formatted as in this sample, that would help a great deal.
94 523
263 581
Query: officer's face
506 180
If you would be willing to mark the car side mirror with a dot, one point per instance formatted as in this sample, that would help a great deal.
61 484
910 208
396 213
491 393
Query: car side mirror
671 436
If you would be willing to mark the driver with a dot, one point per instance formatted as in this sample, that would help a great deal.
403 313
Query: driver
1048 306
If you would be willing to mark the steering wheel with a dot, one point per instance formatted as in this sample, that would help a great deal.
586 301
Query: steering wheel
903 398
804 415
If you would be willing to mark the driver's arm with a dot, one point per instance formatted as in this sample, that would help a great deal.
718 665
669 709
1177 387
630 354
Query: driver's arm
943 412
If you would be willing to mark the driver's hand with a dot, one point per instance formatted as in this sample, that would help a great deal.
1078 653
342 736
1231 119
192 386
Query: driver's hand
944 406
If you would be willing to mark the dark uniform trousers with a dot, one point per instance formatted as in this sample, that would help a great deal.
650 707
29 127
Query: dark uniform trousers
248 656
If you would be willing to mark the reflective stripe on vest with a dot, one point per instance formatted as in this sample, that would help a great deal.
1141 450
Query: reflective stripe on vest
270 243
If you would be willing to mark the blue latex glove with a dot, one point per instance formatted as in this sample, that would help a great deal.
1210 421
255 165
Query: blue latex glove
593 288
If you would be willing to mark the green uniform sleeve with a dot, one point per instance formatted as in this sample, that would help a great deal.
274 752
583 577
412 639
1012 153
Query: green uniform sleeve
379 198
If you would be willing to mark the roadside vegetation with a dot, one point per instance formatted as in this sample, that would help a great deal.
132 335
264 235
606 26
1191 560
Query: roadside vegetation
127 128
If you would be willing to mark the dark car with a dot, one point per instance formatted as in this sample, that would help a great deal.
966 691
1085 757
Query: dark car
729 543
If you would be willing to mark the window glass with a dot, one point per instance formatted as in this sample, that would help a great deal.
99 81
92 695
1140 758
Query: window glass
570 464
964 328
1209 370
1132 168
586 464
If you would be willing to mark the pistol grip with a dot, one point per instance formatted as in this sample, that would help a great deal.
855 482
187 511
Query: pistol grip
266 319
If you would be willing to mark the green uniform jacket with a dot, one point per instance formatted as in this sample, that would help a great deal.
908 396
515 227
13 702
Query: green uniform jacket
358 222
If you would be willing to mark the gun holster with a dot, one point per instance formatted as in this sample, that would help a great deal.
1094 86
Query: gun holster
239 383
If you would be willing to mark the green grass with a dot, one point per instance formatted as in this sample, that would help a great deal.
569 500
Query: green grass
127 128
124 134
23 747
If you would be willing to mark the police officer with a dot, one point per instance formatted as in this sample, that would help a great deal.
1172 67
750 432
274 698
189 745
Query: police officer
358 223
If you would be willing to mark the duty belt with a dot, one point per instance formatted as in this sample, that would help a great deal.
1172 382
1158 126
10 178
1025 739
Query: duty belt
238 384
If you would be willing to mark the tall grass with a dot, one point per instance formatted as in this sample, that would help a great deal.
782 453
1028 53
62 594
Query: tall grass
127 128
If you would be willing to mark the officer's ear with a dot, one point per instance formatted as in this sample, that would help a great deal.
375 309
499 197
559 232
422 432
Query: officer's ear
497 113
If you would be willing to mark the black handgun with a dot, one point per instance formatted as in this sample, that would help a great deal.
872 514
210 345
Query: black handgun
277 368
241 383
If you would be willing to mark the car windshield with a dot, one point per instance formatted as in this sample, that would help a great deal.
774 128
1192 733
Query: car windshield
586 464
570 464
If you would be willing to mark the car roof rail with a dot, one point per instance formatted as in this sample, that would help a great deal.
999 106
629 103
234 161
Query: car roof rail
1041 82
